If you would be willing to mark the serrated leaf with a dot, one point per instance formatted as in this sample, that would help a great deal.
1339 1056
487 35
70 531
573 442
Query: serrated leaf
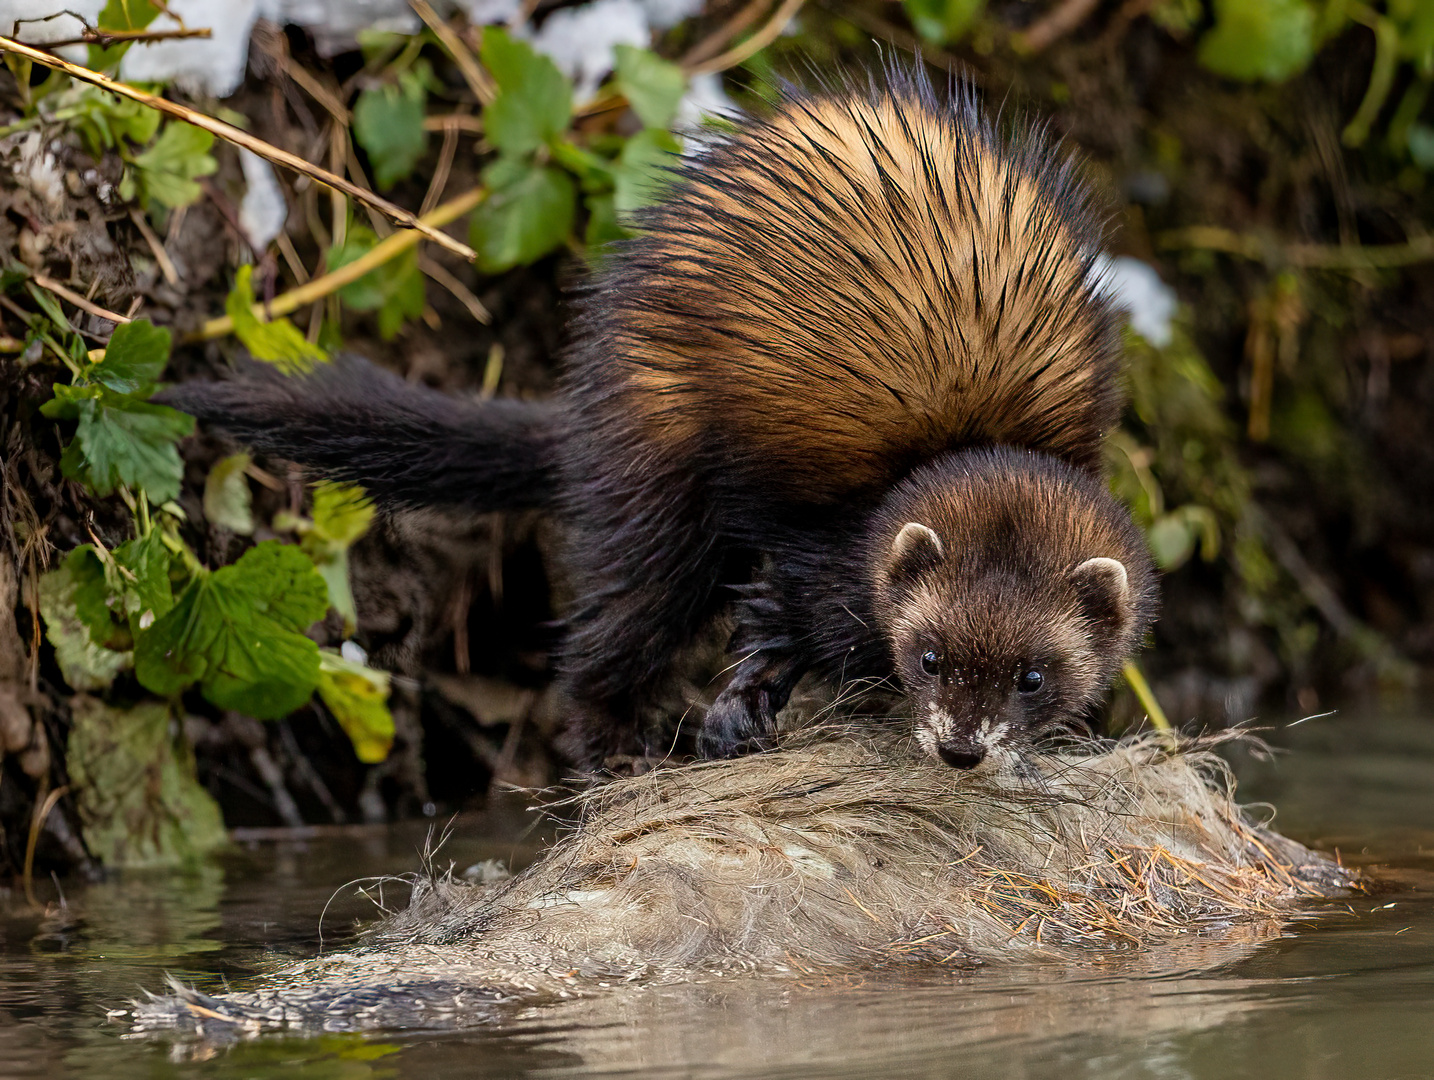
227 501
528 213
143 568
166 172
91 592
943 21
84 664
388 124
396 290
135 787
535 100
120 440
120 15
276 342
358 697
341 514
135 357
653 86
237 632
1260 39
643 169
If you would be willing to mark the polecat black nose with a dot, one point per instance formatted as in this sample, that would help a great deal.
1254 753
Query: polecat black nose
965 756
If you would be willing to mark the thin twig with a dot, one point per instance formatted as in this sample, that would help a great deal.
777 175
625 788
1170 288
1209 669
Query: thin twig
388 248
1309 256
754 44
232 134
47 282
166 264
311 85
106 38
441 171
37 823
473 125
718 40
1053 25
439 273
478 80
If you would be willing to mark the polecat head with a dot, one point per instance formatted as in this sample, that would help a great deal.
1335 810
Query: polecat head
1010 588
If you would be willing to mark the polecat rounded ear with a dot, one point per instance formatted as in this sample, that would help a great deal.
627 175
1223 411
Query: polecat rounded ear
916 548
1104 590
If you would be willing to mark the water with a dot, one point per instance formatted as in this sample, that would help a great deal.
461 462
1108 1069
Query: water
1347 992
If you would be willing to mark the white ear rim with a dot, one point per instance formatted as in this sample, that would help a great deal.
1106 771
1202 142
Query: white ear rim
1111 569
914 535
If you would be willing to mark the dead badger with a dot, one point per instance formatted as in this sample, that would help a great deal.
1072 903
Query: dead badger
854 364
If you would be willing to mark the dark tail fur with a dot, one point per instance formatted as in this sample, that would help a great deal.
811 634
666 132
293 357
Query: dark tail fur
407 445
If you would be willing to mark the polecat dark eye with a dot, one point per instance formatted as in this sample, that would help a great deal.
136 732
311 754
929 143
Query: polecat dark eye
1030 681
930 663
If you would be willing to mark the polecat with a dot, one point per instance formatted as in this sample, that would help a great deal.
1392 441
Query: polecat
854 364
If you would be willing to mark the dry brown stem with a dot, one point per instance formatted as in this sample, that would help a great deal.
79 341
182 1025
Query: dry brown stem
388 248
754 44
239 138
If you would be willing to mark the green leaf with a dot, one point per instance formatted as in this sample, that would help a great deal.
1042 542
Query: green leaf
396 290
644 168
358 697
135 788
67 606
529 212
135 357
943 21
534 101
1259 39
166 172
120 440
603 225
1421 146
101 119
237 632
90 594
120 15
341 515
653 86
388 124
227 502
277 342
142 567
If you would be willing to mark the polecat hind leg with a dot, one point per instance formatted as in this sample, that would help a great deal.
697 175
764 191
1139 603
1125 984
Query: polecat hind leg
646 569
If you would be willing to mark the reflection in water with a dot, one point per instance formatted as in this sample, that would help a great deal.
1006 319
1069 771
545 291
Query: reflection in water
1347 993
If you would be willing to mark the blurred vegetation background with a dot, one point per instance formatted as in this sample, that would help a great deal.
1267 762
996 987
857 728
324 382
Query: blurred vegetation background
1267 167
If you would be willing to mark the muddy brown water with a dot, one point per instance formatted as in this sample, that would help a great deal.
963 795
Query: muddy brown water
1347 991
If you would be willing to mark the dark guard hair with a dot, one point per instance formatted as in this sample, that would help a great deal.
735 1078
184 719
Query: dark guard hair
862 288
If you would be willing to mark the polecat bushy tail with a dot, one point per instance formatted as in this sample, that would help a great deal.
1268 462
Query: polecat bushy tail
407 445
855 364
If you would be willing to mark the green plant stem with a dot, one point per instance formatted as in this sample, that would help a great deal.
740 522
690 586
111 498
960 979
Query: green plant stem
1307 256
1136 681
386 249
1381 80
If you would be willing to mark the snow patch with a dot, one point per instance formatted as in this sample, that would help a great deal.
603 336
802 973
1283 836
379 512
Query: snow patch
1135 287
581 40
263 212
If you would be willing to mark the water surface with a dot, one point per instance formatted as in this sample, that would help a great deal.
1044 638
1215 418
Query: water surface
1348 991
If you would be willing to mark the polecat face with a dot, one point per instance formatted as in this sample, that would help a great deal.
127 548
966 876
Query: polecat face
1009 598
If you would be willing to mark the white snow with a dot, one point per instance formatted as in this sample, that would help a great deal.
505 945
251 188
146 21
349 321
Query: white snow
263 212
1136 288
580 40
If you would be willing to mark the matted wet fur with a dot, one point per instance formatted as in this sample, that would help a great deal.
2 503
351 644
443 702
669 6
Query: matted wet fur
831 855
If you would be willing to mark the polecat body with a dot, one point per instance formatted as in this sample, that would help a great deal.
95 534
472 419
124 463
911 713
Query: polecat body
855 356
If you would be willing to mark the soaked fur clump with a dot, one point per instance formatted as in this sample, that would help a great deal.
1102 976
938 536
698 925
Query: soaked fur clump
829 855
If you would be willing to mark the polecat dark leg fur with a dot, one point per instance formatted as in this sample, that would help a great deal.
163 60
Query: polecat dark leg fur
744 716
646 566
